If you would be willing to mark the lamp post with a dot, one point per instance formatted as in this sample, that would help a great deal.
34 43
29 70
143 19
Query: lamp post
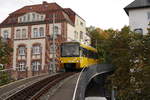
54 46
113 93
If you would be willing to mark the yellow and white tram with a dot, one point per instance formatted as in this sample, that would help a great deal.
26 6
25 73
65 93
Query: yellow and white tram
76 56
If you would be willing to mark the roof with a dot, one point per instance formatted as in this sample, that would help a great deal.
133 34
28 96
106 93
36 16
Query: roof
82 45
62 14
136 4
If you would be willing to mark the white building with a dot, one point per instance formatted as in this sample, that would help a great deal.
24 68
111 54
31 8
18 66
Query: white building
139 15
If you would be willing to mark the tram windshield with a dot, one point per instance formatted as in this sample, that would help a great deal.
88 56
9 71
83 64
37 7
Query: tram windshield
70 50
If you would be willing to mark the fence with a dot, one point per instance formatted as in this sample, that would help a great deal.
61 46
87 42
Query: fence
6 76
12 74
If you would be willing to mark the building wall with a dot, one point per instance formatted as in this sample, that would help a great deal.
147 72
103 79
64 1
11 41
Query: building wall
138 18
51 28
29 44
5 29
38 26
70 32
80 26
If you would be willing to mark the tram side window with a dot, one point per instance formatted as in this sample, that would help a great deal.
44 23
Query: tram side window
90 54
95 55
84 52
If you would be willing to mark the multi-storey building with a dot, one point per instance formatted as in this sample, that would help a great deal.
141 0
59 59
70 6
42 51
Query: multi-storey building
30 31
139 15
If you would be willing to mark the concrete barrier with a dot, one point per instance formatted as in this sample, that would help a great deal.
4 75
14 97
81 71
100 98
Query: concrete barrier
87 75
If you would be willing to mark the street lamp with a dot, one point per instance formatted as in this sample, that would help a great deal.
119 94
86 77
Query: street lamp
54 46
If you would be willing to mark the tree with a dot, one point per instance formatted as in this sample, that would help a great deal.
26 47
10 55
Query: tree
5 58
129 52
5 52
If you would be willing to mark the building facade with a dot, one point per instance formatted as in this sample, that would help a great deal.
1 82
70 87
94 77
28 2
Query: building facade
139 15
30 31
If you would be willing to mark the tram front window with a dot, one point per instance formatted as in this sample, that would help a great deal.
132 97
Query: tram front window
70 50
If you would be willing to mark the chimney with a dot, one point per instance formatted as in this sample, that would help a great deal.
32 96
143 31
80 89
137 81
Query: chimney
44 2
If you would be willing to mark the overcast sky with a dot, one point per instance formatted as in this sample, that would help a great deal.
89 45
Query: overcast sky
100 13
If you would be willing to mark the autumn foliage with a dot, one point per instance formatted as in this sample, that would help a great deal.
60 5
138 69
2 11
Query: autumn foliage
129 52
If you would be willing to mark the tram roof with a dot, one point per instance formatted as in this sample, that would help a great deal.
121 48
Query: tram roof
88 47
83 45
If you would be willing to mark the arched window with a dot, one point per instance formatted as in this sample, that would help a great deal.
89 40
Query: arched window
41 31
22 50
139 31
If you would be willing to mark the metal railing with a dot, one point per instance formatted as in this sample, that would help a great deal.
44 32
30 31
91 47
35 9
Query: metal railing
86 76
12 74
6 76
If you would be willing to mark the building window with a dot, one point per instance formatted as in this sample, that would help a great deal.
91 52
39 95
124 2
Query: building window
5 34
20 19
21 51
36 65
33 17
81 35
148 15
36 49
21 66
42 17
81 23
138 30
28 17
18 34
37 17
56 29
24 18
41 32
23 33
35 32
76 35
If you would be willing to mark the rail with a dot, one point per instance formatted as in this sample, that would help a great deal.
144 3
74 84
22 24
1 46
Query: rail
37 89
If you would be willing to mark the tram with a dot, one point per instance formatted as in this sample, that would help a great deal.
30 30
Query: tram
75 55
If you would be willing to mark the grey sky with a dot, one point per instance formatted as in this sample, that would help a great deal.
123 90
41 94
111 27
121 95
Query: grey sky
100 13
